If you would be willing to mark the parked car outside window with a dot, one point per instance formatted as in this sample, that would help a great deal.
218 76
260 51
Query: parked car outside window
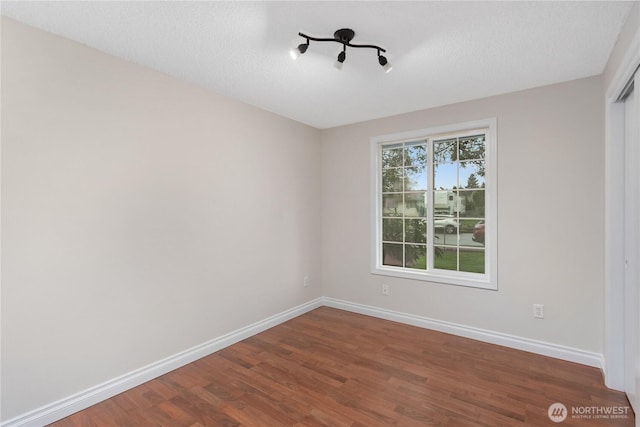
448 224
478 232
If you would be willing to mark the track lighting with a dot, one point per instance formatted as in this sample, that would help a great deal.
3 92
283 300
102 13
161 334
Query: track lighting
343 36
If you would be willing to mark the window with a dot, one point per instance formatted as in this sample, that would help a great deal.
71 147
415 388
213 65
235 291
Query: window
433 197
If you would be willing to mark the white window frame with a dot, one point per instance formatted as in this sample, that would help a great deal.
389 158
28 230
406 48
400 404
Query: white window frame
488 280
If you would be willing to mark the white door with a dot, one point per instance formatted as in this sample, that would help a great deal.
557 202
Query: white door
632 244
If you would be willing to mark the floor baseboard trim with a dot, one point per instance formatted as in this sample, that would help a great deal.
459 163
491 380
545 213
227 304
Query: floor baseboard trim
533 346
72 404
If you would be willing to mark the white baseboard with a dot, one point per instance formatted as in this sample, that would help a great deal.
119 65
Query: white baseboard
533 346
72 404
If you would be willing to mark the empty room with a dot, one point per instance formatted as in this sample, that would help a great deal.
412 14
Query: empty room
310 213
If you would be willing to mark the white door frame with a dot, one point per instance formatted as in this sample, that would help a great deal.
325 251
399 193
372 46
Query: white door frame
613 364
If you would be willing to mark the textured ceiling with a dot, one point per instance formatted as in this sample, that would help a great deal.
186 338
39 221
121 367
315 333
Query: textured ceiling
442 52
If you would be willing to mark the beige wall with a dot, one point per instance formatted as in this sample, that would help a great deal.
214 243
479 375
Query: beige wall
550 214
141 216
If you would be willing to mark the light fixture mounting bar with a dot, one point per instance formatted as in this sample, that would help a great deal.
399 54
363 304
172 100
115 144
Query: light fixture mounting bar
344 36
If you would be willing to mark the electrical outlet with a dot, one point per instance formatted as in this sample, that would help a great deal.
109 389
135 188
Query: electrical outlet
306 282
385 290
538 311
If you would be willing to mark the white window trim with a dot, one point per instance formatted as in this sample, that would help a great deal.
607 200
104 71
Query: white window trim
484 281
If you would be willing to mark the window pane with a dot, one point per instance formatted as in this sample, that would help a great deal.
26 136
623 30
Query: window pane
472 260
416 257
415 204
471 147
415 154
447 203
444 150
445 258
472 203
392 180
392 156
392 254
416 179
471 174
392 204
445 232
415 230
472 233
446 224
445 176
477 235
392 230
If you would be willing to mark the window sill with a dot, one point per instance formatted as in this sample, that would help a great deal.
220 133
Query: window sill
447 277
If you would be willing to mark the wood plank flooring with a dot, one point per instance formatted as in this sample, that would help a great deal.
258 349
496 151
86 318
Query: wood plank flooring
334 368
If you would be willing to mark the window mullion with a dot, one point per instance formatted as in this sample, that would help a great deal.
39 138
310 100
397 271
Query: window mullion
430 232
456 194
404 207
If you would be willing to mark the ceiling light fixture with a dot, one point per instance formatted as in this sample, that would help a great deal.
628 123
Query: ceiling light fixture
343 36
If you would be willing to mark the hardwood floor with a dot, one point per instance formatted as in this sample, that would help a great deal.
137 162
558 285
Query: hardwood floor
334 368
